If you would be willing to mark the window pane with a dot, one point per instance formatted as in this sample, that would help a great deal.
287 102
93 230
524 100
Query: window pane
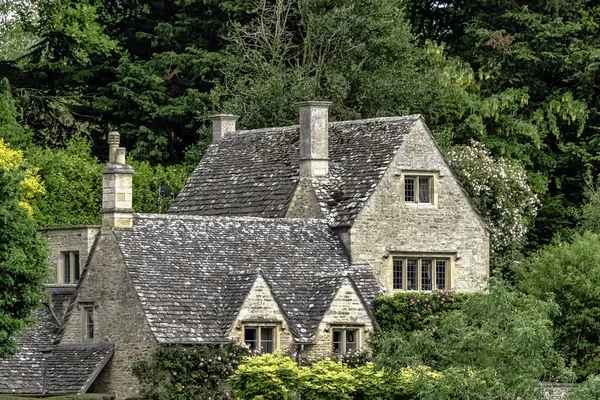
76 266
351 339
267 341
411 274
440 274
251 337
90 323
398 273
337 341
409 189
67 268
424 190
426 274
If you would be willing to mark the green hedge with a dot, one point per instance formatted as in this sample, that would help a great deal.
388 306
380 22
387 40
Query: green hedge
407 312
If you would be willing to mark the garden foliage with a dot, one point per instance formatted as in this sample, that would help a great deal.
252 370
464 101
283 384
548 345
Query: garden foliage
568 273
23 255
190 372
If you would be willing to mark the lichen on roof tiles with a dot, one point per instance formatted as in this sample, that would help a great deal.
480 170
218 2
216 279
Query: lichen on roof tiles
255 173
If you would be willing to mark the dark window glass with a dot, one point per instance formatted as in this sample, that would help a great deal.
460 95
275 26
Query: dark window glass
337 341
398 273
351 339
76 267
267 340
409 189
424 190
440 274
426 274
89 323
251 337
67 267
412 270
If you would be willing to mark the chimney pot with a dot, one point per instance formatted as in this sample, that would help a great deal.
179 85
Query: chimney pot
113 144
223 125
314 138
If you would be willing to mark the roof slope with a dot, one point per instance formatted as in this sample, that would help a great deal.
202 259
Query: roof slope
65 368
192 273
255 173
23 373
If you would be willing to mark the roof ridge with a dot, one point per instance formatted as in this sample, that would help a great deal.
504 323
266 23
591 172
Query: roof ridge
291 221
274 129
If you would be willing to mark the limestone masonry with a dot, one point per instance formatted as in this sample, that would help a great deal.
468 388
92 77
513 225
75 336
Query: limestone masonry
281 238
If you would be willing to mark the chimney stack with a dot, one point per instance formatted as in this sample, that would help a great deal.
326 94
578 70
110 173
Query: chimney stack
314 138
117 187
222 125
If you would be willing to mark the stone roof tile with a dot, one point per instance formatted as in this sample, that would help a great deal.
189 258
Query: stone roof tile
255 173
192 273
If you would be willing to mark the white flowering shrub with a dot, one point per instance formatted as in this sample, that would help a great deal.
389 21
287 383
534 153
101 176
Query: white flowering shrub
500 191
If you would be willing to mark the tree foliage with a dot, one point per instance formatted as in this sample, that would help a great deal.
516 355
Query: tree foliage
494 346
23 255
569 272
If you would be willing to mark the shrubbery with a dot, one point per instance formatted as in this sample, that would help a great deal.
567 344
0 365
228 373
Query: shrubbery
497 345
189 372
277 377
407 312
569 274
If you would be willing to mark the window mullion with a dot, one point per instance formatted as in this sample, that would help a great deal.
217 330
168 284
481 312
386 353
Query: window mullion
419 274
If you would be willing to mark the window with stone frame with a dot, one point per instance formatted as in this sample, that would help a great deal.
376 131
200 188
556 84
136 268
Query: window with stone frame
345 339
261 337
69 267
418 189
89 327
420 272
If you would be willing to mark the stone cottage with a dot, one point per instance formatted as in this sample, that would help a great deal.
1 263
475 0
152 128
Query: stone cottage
281 238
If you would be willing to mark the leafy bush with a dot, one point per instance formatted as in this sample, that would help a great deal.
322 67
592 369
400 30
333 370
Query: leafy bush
187 372
407 312
502 194
569 273
275 376
497 345
326 380
269 377
589 390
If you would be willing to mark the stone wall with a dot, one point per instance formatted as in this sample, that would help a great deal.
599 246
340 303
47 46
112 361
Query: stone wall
261 309
450 226
347 310
304 204
119 317
558 391
77 238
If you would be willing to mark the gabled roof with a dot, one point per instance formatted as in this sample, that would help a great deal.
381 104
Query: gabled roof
192 273
23 373
40 368
255 173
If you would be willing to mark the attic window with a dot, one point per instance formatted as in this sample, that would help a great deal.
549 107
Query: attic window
421 272
260 337
89 329
418 188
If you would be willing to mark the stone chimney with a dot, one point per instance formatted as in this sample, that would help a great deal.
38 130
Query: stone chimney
314 138
222 125
117 187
